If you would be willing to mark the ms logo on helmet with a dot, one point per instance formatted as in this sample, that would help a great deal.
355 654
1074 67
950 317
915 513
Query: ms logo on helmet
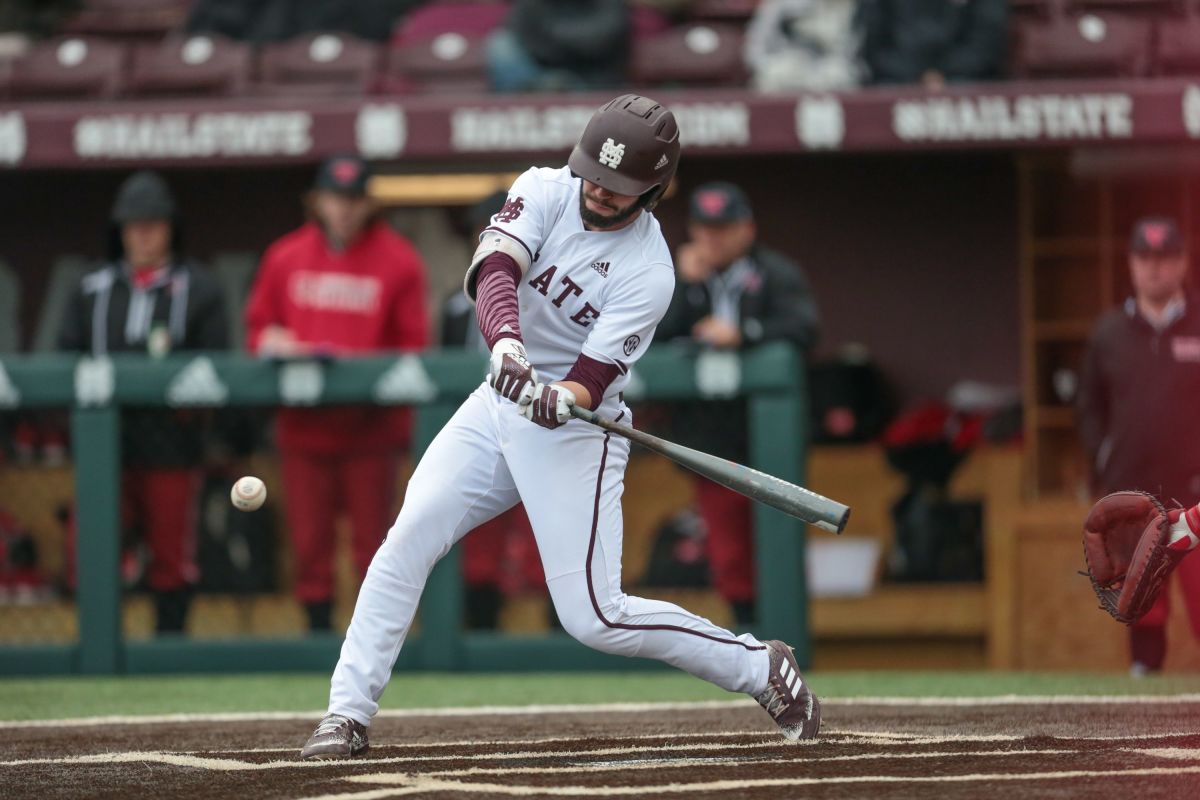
611 153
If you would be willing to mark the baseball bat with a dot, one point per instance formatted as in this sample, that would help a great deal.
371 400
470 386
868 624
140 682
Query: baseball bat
789 498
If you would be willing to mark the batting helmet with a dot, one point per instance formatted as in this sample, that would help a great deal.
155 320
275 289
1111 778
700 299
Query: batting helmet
630 147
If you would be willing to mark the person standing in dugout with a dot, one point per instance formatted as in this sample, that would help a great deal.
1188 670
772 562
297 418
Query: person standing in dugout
570 281
1137 406
732 292
343 284
147 299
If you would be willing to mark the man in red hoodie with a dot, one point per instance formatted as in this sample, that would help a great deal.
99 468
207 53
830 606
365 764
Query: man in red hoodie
343 284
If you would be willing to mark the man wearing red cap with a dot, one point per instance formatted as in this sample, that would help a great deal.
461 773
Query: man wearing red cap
342 284
1137 406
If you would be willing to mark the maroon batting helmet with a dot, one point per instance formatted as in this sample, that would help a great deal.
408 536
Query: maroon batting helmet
630 147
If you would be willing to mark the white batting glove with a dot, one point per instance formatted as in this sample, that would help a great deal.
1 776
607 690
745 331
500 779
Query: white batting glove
551 405
510 373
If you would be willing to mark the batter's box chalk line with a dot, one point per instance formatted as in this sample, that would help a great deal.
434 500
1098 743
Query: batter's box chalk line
606 708
400 784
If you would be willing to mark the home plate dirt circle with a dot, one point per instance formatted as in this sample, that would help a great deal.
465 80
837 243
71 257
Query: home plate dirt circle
881 748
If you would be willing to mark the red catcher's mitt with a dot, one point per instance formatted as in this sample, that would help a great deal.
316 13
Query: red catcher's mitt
1127 541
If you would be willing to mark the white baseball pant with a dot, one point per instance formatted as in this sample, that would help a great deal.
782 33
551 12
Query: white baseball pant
486 459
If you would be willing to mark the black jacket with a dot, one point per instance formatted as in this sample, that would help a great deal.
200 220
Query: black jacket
583 35
904 39
280 20
1138 404
776 304
107 315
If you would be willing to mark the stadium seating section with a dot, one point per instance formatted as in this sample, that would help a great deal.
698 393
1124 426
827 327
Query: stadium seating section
136 48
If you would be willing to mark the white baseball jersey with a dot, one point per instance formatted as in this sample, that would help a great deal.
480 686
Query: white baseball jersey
600 293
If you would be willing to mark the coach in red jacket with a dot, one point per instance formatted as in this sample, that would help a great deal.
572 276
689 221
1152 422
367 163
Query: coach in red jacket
343 284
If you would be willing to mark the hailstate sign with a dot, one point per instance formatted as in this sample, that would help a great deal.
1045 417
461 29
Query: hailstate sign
1020 118
203 135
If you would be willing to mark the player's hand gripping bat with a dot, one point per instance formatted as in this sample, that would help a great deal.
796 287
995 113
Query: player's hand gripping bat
789 498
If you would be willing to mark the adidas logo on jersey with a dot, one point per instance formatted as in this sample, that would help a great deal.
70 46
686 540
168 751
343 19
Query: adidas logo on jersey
601 267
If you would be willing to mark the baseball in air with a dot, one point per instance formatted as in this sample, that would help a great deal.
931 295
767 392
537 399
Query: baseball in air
248 494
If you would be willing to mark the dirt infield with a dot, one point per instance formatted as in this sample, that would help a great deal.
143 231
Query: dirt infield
885 750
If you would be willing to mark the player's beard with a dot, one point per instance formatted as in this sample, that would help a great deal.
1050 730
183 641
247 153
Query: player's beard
601 222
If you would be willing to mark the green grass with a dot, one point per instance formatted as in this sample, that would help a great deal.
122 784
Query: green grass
47 698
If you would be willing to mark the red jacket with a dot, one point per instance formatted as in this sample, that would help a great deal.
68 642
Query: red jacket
369 298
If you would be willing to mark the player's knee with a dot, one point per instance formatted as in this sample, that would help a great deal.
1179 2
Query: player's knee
582 625
597 633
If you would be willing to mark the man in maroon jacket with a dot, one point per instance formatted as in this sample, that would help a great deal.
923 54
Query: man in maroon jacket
343 284
1137 404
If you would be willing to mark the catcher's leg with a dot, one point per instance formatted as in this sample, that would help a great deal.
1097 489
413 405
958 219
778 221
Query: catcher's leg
1189 582
461 481
1148 636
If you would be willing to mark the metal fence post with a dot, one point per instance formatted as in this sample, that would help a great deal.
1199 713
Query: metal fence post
441 607
778 438
96 447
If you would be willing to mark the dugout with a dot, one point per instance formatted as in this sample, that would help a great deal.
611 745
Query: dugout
972 234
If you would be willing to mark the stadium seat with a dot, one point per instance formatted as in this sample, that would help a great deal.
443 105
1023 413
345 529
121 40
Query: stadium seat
698 53
141 19
1153 8
1179 45
69 67
192 65
728 10
319 63
1033 8
1085 45
449 62
440 47
471 18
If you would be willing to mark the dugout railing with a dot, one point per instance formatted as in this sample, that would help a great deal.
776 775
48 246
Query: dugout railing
95 391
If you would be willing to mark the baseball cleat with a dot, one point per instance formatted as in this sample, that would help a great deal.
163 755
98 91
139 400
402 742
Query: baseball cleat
336 737
787 697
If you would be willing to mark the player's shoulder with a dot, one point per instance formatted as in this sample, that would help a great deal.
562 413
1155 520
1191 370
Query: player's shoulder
551 177
391 241
98 279
550 185
1114 322
301 239
652 250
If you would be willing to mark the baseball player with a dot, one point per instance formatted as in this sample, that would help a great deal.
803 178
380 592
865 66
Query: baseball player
570 280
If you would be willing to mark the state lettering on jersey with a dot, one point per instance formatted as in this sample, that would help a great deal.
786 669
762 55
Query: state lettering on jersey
585 315
544 283
573 288
512 208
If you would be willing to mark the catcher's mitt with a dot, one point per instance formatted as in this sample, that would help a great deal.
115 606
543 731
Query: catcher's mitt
1132 543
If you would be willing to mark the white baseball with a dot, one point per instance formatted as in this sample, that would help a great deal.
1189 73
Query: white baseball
248 494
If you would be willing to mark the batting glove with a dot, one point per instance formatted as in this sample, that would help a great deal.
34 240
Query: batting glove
551 405
510 373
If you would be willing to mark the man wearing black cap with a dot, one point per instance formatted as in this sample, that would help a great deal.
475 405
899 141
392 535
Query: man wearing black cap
731 292
1137 403
342 284
146 299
